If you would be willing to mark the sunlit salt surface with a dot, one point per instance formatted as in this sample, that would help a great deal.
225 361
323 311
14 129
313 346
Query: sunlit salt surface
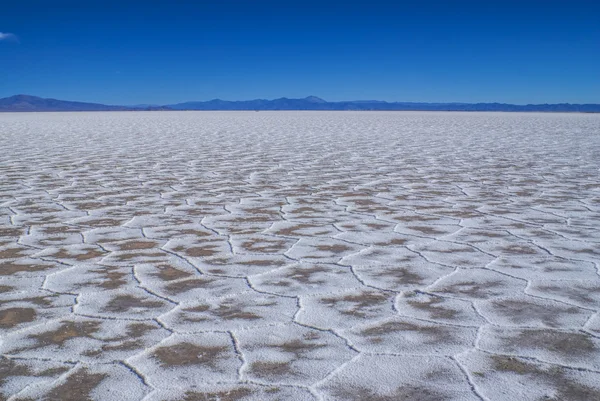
299 256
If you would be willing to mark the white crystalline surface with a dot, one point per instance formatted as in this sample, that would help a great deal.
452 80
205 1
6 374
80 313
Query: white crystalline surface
372 256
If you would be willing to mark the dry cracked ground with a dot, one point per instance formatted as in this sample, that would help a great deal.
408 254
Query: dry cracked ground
299 256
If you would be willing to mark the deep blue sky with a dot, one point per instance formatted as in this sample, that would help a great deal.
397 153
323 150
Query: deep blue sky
128 52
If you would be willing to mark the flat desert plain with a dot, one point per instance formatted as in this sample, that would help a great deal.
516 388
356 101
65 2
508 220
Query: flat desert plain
373 256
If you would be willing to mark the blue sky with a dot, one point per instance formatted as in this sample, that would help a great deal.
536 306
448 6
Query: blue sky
160 52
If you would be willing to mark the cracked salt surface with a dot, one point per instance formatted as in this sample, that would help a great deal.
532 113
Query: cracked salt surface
299 256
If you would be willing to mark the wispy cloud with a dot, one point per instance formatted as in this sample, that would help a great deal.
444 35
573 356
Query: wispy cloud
8 37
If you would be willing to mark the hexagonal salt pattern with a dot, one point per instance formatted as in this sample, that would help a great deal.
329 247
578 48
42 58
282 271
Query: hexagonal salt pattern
299 256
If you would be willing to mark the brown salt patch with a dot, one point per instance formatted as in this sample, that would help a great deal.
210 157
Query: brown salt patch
460 214
9 268
11 232
6 288
518 250
227 310
360 302
137 330
65 332
305 209
510 364
474 289
129 341
401 275
168 273
305 276
292 231
39 210
376 226
413 218
60 230
433 334
127 345
407 392
565 387
113 277
190 231
218 261
187 354
569 345
395 241
351 195
38 221
137 245
86 255
519 311
195 309
10 368
250 219
264 246
299 348
576 292
365 202
265 369
236 394
78 387
231 311
133 255
488 234
12 253
243 230
199 251
262 211
217 271
462 249
123 303
282 283
102 223
262 262
89 205
45 300
124 346
333 248
180 287
53 241
432 306
12 317
251 262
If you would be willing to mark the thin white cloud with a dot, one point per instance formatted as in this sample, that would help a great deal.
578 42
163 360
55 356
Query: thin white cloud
8 36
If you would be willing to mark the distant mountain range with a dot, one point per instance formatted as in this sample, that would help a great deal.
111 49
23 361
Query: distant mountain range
33 103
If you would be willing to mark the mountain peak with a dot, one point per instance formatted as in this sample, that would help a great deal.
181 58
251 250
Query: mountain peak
314 99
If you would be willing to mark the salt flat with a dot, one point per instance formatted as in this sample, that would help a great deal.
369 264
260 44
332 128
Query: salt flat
299 256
